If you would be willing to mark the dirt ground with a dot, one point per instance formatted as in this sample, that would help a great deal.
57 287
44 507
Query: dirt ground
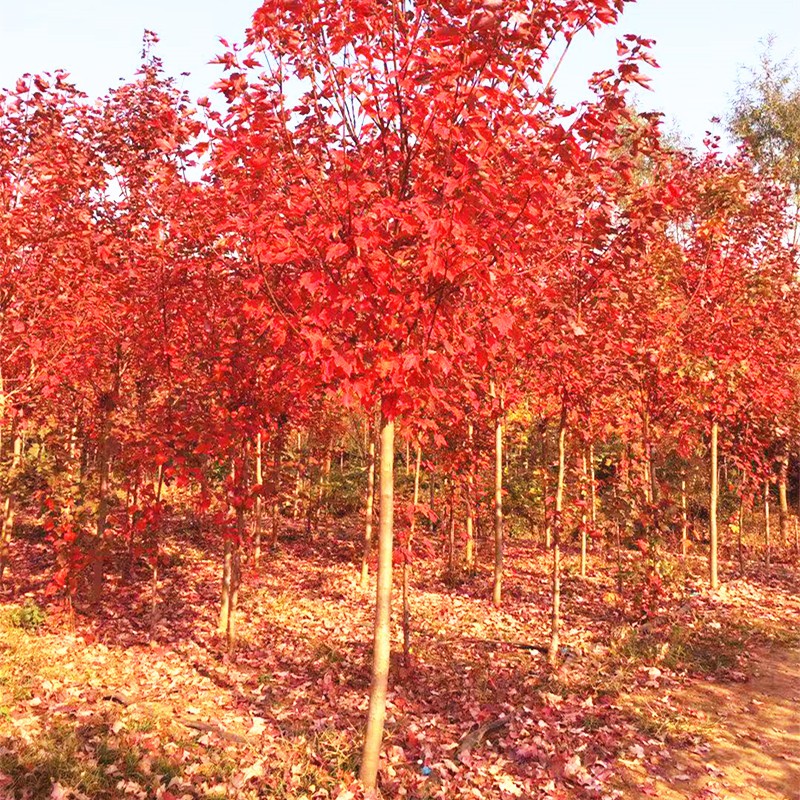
751 746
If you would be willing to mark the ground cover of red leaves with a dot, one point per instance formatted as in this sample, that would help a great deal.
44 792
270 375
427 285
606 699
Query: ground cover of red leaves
94 706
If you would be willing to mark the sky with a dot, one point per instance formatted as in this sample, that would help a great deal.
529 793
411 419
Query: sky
701 46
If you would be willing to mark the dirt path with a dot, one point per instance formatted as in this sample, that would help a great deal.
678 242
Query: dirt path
752 739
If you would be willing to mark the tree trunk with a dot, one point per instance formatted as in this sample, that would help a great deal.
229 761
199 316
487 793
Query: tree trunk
796 539
154 577
545 488
259 501
783 507
592 488
497 589
276 495
227 577
451 536
383 610
432 495
552 655
584 515
2 412
131 509
684 522
236 577
767 542
297 479
647 463
368 507
469 556
7 527
740 532
406 569
73 447
98 560
712 507
242 482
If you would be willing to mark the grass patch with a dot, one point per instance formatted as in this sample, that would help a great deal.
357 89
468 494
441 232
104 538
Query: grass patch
88 759
335 751
165 769
706 650
28 617
593 722
56 757
142 725
322 651
665 723
767 631
682 648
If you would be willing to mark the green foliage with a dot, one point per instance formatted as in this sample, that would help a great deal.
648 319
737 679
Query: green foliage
343 491
29 616
766 117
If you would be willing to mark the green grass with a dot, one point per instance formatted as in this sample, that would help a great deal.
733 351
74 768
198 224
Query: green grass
336 751
28 617
322 651
697 650
142 725
702 649
664 723
76 757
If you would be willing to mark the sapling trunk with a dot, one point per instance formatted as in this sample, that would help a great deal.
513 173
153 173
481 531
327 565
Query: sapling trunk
546 516
497 588
584 515
469 555
618 548
406 569
647 463
236 577
767 542
451 536
368 509
277 488
297 478
373 737
154 578
552 655
225 598
258 507
592 488
740 532
7 526
108 403
684 523
134 503
432 496
73 446
98 558
6 534
712 507
783 501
